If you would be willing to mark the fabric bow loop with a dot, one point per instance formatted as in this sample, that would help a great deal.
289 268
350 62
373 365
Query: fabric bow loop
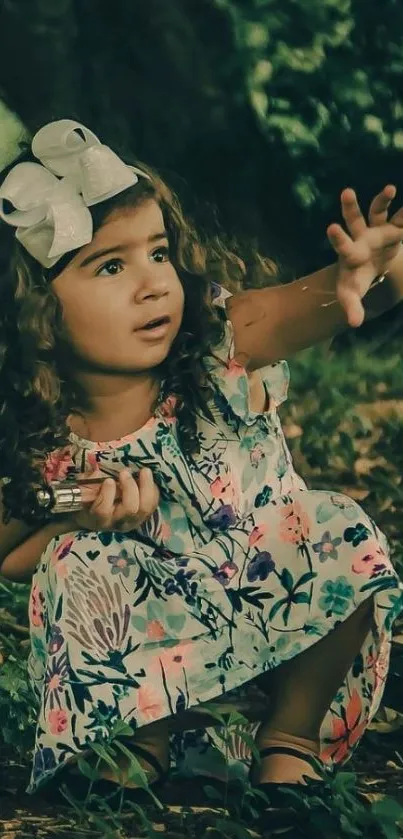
48 203
71 150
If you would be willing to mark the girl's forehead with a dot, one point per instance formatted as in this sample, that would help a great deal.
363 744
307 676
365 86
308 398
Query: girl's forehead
139 221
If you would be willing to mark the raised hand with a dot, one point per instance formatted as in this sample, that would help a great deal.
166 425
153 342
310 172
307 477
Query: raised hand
367 250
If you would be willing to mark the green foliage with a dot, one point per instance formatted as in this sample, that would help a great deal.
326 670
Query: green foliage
17 706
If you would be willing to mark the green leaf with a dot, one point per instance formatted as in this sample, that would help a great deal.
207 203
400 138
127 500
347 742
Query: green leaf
212 793
87 770
104 754
136 771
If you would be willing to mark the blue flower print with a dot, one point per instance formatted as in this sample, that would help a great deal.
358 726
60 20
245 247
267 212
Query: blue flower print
215 290
326 548
356 534
181 584
121 563
56 640
223 519
44 761
337 595
260 567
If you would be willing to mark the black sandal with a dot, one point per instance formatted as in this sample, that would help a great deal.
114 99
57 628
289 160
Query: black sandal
278 802
109 791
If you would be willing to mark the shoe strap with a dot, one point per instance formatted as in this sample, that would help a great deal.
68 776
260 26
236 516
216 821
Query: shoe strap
150 758
312 761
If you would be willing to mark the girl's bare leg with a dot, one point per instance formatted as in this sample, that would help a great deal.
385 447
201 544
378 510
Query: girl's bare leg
300 693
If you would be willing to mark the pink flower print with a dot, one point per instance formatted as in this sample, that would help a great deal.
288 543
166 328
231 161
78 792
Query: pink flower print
155 631
58 464
165 531
168 407
149 703
226 572
295 525
257 534
62 570
234 368
220 488
57 719
92 461
346 731
226 489
370 559
173 659
257 455
36 604
63 549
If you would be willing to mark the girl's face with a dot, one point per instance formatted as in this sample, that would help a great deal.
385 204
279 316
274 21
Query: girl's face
122 298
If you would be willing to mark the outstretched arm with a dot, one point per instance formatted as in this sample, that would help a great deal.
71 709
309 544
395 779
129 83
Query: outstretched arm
276 322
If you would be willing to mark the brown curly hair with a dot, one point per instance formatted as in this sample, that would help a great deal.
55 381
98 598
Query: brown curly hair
36 397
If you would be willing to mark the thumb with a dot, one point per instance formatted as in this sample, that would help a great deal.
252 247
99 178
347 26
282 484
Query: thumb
351 302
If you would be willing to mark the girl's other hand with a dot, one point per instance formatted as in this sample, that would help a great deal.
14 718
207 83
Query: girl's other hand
366 249
120 505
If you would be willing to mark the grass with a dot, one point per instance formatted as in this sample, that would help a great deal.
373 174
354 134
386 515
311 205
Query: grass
344 424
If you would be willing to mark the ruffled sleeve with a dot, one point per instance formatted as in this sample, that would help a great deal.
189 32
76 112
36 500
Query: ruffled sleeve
231 379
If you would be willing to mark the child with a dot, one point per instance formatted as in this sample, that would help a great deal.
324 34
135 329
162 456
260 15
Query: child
215 564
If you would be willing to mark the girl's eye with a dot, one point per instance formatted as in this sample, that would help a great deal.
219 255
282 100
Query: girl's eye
160 254
108 269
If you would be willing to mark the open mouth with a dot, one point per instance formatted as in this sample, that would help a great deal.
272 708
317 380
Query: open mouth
157 323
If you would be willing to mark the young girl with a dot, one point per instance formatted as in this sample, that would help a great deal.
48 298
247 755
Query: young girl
207 563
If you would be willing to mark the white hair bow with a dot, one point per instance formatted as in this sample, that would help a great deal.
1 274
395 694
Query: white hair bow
51 213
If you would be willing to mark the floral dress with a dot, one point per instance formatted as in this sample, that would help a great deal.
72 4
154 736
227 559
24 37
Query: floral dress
240 568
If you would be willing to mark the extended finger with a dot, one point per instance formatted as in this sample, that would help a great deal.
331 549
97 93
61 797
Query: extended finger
352 252
378 211
128 506
352 214
149 494
397 219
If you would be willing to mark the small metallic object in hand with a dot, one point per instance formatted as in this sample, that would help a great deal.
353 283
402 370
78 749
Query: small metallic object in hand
377 281
67 498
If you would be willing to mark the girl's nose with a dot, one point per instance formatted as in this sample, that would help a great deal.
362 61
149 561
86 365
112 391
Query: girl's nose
153 286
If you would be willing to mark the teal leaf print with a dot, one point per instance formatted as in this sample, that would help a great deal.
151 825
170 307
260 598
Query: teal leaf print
287 580
333 506
306 578
139 623
276 607
337 596
293 596
357 534
255 596
176 622
264 496
325 511
235 599
301 597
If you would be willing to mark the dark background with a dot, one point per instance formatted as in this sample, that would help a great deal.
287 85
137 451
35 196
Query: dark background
263 109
